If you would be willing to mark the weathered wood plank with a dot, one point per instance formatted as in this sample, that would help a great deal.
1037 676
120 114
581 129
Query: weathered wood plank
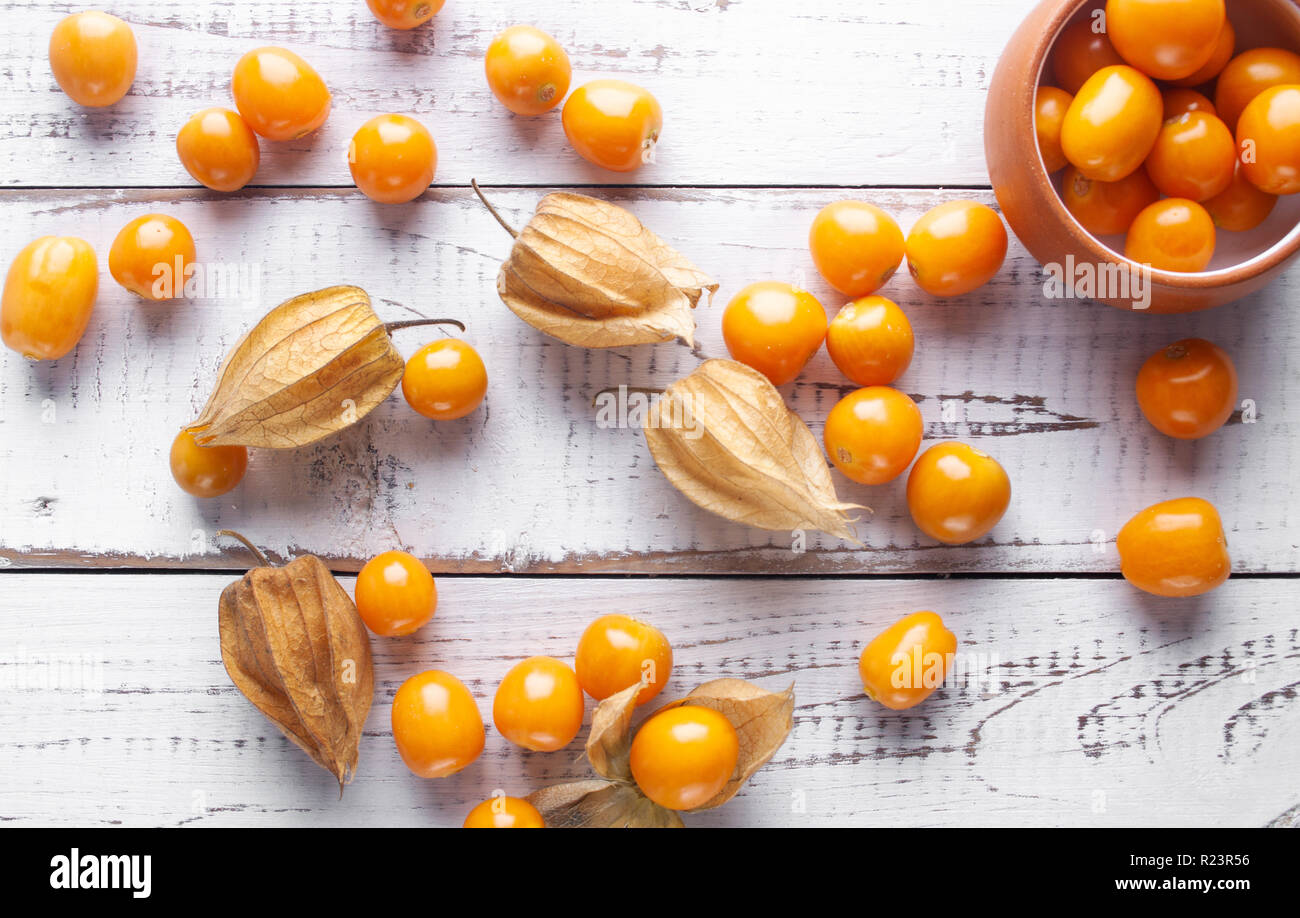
531 483
754 91
1086 703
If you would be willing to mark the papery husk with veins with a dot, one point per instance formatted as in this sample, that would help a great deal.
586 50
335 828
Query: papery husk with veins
313 365
295 646
725 438
762 721
591 274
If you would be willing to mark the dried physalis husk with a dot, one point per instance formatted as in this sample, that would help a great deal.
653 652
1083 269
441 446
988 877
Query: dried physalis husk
589 273
762 721
725 438
312 366
294 645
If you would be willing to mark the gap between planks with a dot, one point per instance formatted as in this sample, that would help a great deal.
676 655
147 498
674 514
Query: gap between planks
349 568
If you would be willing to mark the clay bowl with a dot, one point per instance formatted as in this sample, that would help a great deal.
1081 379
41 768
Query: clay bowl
1030 200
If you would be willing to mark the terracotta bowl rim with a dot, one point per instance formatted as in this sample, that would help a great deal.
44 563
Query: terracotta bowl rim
1278 253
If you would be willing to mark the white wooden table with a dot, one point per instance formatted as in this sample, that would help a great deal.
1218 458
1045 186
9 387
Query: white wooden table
1097 705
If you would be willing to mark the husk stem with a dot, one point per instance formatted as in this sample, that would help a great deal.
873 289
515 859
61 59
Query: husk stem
257 553
391 327
493 211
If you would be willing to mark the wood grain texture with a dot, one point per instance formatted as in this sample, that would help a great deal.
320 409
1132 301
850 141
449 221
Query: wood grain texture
531 483
816 93
1085 703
